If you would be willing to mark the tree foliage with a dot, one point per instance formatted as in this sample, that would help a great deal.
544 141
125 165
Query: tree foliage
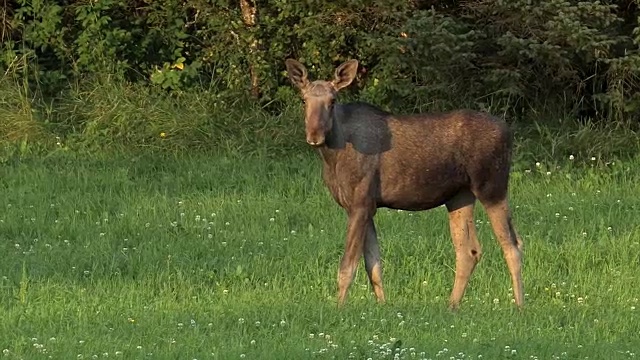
509 56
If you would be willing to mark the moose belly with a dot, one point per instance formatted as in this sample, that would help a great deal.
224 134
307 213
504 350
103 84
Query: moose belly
420 190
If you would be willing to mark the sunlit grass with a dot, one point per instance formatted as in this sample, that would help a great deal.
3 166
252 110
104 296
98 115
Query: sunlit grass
232 257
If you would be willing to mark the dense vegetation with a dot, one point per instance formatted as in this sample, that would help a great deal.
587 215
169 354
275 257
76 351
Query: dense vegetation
114 72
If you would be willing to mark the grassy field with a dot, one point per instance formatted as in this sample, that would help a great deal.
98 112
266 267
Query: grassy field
200 257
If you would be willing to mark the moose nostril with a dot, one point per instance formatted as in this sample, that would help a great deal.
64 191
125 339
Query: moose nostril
315 142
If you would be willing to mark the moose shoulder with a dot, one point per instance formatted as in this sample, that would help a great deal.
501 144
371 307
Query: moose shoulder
373 159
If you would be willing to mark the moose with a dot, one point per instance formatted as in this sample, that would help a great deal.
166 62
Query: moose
372 159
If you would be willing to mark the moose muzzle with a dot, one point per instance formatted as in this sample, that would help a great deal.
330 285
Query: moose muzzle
317 125
315 139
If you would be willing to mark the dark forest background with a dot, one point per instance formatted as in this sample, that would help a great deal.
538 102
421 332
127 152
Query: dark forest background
198 74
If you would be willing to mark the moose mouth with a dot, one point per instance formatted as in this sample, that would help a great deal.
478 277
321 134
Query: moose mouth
315 142
316 139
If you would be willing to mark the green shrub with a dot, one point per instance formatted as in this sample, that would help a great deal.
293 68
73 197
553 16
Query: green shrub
113 69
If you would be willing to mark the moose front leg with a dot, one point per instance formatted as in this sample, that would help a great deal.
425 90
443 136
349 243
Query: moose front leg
357 223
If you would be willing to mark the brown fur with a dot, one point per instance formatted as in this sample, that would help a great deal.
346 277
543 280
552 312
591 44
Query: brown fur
373 159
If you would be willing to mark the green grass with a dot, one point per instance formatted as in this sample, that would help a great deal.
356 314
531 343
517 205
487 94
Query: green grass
230 257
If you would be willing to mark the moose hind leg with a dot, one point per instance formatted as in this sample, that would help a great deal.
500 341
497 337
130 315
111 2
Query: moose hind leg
372 261
465 242
500 217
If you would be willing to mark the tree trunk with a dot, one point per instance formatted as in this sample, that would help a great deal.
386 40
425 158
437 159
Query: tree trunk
249 10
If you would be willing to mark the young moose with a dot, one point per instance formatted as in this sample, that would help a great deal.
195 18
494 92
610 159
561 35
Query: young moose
374 159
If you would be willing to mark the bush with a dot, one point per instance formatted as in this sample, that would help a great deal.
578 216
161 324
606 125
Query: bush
521 59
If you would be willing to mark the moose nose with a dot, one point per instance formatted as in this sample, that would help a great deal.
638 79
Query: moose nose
315 141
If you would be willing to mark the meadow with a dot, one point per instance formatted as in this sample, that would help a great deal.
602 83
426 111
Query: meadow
229 257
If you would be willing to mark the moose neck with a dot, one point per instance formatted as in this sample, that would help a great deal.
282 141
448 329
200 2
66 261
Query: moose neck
336 138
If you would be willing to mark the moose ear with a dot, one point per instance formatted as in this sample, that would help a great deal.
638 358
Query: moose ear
345 73
297 73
